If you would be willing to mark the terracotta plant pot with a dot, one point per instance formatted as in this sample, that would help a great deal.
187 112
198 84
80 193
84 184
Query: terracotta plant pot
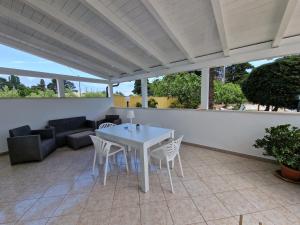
290 173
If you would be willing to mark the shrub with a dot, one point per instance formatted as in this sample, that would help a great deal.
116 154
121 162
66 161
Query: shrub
152 103
283 143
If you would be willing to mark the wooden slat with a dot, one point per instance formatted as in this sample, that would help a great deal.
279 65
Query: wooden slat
86 31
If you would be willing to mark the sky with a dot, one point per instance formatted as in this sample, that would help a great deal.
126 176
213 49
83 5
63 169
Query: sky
13 58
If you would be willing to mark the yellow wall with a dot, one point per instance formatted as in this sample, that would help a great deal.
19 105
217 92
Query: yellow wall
163 102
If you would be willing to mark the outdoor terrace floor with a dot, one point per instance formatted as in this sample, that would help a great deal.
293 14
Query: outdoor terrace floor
217 187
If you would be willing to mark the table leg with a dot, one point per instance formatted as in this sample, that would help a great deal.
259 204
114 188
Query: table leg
144 174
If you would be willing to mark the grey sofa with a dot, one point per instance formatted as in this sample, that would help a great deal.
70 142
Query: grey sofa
67 126
26 145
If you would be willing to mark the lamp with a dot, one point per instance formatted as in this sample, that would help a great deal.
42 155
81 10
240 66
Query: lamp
130 115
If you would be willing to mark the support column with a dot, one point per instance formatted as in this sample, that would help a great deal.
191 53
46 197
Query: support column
111 92
60 88
204 88
144 87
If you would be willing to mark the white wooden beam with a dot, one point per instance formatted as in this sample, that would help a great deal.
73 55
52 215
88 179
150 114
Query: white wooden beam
100 9
286 18
60 38
221 25
205 88
37 74
169 28
288 46
86 31
29 44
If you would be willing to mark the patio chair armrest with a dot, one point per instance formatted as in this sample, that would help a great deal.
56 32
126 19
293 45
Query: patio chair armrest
24 148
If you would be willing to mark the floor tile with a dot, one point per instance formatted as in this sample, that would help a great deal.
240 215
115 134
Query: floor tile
236 203
196 187
95 218
44 207
11 212
211 208
64 220
155 213
179 191
217 184
125 216
153 195
184 212
33 222
72 204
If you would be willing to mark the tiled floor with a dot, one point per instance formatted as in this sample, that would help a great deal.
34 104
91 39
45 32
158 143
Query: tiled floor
216 189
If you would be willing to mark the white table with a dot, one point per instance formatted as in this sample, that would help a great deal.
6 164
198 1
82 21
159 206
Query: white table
141 138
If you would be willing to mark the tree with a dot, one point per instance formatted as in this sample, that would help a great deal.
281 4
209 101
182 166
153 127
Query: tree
228 93
137 89
275 84
3 83
237 73
67 84
119 93
185 86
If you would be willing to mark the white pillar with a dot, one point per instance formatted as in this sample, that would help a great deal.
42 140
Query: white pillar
144 87
111 92
60 88
204 88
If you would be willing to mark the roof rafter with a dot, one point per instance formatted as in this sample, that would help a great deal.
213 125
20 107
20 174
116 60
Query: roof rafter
169 28
221 25
11 36
60 38
31 73
87 32
286 18
100 9
289 46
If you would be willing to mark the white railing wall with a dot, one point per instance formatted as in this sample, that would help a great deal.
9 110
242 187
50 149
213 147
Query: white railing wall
36 112
227 130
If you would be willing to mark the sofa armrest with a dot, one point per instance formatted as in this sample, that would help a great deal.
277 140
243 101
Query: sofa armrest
117 121
45 133
91 124
24 148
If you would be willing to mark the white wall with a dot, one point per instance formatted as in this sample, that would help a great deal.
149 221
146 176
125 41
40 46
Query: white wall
227 130
36 112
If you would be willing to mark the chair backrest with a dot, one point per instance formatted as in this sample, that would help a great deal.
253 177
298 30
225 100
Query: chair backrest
105 125
172 149
20 131
102 146
66 124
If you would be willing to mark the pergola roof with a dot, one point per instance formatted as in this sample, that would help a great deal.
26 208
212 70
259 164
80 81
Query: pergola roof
122 40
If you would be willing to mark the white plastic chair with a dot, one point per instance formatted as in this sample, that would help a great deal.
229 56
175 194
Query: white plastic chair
168 152
105 125
107 149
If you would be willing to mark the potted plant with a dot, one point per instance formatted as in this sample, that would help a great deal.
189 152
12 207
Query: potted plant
283 143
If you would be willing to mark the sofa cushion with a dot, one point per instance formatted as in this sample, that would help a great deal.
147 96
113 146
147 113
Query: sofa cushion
61 138
47 146
112 117
67 124
20 131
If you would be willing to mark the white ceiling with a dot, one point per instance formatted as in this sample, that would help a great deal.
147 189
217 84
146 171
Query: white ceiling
123 40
